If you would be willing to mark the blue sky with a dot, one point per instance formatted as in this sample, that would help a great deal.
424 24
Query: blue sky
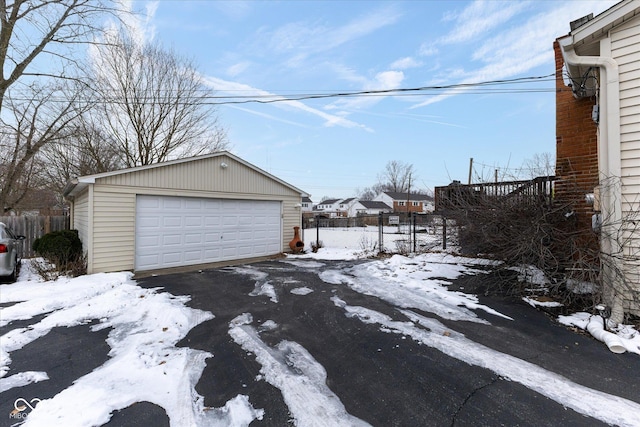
337 145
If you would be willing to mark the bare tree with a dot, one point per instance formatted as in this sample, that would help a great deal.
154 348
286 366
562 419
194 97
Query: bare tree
368 193
540 164
34 123
37 51
46 28
397 176
153 103
84 150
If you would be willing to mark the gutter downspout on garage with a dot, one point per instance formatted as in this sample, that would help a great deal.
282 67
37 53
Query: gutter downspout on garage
609 163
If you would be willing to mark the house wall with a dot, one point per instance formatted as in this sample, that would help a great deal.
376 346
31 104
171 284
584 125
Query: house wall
576 169
114 203
398 208
625 49
576 148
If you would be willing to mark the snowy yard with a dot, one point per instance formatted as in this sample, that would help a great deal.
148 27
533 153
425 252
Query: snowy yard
145 325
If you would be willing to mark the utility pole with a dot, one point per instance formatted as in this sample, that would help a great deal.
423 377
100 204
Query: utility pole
408 217
470 169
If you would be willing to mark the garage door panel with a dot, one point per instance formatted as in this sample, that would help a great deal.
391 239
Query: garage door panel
175 231
149 241
171 239
171 202
148 221
194 255
211 238
171 258
149 203
192 238
172 221
193 204
212 221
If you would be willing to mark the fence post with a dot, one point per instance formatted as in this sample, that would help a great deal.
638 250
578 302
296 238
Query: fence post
413 215
380 232
444 232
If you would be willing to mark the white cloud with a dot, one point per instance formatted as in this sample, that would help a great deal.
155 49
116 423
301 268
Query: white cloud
363 26
405 63
428 49
388 80
234 9
480 17
519 49
305 38
139 25
238 68
385 80
235 88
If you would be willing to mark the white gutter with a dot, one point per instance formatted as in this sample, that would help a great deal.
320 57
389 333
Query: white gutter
609 163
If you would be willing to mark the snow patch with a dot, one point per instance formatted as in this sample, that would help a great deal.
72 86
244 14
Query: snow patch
603 406
301 291
300 378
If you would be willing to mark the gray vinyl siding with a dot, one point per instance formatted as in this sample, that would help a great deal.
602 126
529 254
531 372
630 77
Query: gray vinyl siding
113 230
81 218
204 175
625 49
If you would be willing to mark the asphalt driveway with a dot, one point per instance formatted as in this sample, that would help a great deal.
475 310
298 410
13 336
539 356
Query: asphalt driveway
381 376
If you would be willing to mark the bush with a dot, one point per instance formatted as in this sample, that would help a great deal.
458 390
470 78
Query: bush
61 248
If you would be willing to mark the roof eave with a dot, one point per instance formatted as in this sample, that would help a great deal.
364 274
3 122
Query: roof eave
598 27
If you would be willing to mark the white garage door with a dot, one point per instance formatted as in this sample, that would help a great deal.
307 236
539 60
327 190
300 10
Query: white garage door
177 231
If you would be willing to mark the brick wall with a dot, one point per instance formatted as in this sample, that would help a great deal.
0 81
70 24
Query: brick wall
576 161
576 146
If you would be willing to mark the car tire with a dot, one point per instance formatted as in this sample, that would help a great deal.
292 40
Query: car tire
14 274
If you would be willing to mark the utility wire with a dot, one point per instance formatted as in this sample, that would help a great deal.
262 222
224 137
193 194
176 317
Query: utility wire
487 87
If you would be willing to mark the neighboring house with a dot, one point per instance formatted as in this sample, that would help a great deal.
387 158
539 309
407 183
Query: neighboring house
198 210
403 202
598 141
307 204
368 207
344 206
330 207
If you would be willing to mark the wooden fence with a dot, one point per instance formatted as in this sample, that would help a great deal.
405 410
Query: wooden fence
32 227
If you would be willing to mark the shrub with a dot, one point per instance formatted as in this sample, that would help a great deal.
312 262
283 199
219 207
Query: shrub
62 248
316 245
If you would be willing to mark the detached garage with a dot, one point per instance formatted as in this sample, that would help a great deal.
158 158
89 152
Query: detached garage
199 210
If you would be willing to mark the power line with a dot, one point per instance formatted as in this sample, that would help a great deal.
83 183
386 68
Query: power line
483 88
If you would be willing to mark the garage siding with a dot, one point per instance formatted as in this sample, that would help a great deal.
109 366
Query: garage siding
204 175
81 217
114 230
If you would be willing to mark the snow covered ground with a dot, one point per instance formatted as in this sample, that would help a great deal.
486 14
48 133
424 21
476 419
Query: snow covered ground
145 364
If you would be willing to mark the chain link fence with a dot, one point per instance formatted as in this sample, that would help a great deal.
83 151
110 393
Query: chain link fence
402 233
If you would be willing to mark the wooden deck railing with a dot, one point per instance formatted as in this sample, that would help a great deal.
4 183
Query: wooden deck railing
456 196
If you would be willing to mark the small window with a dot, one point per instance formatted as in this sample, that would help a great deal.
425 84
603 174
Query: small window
401 203
416 203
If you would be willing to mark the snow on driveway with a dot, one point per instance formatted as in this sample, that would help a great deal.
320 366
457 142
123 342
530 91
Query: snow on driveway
146 324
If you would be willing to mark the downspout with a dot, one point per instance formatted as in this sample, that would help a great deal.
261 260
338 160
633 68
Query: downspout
609 163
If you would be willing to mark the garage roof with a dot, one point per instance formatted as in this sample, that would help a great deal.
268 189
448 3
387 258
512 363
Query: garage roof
78 184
